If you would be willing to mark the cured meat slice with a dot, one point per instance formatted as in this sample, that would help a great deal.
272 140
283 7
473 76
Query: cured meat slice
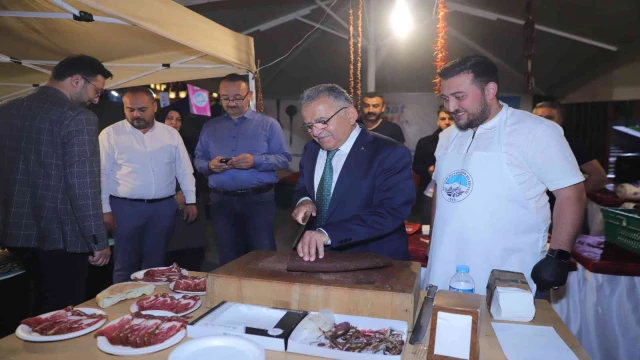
114 328
338 261
62 322
167 302
166 331
138 330
191 283
185 304
38 320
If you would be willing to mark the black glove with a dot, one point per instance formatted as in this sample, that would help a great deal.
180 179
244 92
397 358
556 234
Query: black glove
552 270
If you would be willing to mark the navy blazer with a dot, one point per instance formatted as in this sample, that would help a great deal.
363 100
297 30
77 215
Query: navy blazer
372 197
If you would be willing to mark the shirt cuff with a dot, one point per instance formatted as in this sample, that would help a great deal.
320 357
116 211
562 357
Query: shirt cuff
303 199
328 242
258 160
106 207
189 196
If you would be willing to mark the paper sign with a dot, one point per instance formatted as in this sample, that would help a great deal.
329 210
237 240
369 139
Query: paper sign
529 342
164 99
198 100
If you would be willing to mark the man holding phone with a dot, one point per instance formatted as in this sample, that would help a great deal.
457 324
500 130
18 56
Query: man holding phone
240 153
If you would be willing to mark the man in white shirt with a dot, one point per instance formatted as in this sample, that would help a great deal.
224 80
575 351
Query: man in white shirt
492 171
140 160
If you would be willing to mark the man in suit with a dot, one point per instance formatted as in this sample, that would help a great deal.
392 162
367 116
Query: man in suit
356 183
50 214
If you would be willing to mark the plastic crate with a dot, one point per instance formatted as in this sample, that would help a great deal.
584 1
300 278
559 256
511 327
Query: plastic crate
622 228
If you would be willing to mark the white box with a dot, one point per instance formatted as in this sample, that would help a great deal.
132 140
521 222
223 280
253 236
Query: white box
300 345
269 327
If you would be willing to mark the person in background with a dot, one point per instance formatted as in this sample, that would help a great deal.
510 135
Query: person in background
188 243
373 118
596 177
140 160
50 213
492 172
357 184
424 161
240 153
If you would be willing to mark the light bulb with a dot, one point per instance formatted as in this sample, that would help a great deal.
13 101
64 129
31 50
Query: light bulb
162 87
214 95
172 94
401 20
182 94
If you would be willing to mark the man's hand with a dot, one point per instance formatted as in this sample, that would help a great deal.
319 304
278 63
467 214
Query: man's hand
302 208
312 242
109 222
432 168
216 166
100 257
180 200
242 161
190 213
550 272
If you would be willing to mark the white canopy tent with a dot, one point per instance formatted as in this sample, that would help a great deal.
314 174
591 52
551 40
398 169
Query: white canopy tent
140 42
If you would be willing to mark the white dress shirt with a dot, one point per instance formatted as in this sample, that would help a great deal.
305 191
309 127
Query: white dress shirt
144 166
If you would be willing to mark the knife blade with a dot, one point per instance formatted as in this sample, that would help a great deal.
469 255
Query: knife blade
303 227
421 327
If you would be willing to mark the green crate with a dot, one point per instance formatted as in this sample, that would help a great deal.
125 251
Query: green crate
622 228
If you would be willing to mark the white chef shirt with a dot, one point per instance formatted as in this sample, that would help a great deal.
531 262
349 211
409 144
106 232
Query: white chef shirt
144 166
537 153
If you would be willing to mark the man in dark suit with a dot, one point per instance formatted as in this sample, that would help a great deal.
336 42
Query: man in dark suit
356 183
51 214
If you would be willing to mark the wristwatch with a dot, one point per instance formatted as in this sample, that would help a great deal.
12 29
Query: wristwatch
559 254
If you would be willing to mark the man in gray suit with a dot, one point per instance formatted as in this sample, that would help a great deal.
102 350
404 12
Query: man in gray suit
50 208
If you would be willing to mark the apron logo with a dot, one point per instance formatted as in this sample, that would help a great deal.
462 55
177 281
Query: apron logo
457 186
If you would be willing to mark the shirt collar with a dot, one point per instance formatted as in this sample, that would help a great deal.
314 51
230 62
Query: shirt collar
346 147
130 127
493 123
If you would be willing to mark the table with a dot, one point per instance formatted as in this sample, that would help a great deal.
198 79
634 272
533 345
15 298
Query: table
84 347
599 301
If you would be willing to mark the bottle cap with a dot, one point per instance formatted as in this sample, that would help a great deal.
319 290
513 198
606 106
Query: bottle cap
462 269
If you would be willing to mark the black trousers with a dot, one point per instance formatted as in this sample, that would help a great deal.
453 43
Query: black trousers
58 277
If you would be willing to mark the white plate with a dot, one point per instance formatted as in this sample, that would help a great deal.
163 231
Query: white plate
105 345
173 283
24 332
136 276
223 346
134 307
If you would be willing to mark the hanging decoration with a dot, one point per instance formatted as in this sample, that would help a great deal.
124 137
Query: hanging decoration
351 58
359 73
259 101
529 44
440 46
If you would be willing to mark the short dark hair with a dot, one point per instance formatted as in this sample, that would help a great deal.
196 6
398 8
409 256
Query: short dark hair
233 77
170 110
140 90
483 70
551 105
442 109
82 65
372 95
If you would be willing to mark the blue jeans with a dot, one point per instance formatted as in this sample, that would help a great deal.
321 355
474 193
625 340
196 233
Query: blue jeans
243 224
141 236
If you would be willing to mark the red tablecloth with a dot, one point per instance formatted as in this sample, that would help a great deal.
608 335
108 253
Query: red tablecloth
600 258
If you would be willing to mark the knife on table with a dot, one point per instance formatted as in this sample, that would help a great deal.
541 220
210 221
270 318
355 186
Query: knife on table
420 328
303 227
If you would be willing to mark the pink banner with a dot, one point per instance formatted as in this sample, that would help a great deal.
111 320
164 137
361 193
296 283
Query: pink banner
198 101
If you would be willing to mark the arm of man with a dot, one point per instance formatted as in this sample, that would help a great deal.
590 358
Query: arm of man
202 156
567 216
420 159
300 192
392 201
184 174
399 136
277 156
82 178
596 177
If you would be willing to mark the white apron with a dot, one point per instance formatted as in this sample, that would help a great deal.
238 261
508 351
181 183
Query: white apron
482 218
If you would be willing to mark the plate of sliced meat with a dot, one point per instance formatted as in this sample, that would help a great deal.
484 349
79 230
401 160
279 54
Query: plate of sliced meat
159 275
138 333
177 304
61 324
193 285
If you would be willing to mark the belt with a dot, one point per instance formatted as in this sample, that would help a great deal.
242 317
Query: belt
143 200
252 191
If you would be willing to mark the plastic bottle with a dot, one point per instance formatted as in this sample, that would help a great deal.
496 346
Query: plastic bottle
462 281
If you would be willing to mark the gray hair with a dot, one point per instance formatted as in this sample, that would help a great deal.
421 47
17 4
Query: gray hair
332 91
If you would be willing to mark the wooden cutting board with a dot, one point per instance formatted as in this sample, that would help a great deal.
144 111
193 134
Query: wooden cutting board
261 278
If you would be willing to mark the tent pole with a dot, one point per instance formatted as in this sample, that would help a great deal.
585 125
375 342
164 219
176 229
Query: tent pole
252 87
371 49
111 86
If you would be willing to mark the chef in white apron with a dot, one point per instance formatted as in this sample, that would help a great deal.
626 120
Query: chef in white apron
492 171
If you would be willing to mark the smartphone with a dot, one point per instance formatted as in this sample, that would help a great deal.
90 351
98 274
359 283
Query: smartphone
225 160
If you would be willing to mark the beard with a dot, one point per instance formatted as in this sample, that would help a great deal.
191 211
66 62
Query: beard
140 123
474 119
373 117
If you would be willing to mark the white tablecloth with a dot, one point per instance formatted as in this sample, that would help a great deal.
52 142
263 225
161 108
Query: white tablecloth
603 312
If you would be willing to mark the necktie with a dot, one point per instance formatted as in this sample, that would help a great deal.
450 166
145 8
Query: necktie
323 194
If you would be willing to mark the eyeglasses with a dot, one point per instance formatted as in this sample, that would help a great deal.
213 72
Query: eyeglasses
309 126
98 90
236 99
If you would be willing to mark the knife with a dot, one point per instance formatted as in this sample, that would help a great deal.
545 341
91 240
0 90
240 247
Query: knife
420 328
303 227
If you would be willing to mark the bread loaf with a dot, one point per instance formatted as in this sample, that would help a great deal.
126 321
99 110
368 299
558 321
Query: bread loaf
122 291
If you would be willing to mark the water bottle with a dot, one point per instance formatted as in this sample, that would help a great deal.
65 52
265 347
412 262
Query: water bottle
462 281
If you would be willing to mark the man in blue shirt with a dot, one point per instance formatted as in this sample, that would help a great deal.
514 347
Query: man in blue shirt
240 153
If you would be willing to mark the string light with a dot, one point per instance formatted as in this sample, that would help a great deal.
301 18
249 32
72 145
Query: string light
214 95
351 59
182 94
172 94
359 73
440 46
401 19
